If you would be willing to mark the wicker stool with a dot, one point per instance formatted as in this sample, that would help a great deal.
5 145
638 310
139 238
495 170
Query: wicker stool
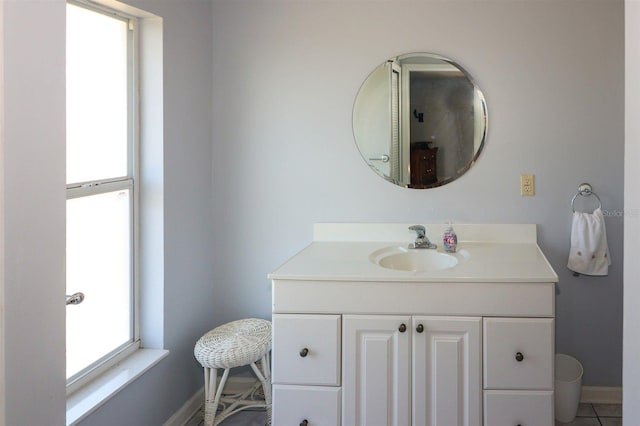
235 344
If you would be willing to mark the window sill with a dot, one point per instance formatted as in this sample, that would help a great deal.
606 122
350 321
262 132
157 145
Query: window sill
91 396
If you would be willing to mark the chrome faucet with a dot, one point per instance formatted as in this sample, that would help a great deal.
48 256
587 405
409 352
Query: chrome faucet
422 242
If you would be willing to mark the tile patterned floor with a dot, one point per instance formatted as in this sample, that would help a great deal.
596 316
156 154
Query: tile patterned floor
597 415
588 415
245 418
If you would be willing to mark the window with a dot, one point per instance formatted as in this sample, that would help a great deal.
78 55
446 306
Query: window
101 188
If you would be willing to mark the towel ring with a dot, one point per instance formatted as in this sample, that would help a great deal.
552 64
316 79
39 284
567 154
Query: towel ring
585 190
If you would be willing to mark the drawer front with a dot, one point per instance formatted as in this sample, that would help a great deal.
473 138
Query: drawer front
318 405
306 349
518 353
509 408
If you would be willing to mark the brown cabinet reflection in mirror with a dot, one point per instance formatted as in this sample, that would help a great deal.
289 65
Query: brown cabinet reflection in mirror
423 164
419 120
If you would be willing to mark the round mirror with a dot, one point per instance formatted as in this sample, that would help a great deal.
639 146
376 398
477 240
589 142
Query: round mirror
419 120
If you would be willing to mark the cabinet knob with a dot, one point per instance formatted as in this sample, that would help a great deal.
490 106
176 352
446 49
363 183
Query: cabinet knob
519 356
402 328
303 353
420 328
304 422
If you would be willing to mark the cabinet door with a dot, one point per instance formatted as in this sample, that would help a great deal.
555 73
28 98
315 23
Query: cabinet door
447 387
375 370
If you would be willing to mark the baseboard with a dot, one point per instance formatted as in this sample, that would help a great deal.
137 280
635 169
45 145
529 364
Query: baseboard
590 394
601 395
190 408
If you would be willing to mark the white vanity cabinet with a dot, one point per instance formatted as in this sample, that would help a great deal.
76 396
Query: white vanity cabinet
357 344
403 370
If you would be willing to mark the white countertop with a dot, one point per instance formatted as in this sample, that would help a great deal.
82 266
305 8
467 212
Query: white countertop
512 256
349 261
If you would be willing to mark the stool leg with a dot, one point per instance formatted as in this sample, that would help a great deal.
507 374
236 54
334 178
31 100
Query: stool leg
267 383
264 377
210 379
212 394
216 401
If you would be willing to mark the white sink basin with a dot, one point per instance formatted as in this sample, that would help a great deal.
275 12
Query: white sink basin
416 260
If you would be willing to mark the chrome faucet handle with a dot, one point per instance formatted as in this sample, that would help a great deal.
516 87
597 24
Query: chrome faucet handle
422 242
419 229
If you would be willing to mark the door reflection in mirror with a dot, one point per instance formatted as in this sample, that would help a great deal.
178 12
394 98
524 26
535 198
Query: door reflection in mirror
424 116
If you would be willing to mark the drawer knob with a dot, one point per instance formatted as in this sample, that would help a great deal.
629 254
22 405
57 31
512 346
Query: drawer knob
519 356
304 422
420 328
303 353
402 328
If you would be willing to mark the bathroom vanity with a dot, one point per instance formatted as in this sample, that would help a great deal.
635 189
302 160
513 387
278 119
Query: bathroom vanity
369 332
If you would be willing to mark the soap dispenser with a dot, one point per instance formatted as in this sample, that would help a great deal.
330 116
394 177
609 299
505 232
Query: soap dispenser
450 239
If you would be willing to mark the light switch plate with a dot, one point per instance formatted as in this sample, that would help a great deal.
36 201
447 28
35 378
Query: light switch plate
527 185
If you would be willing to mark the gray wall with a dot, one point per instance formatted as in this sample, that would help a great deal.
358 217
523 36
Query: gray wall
285 74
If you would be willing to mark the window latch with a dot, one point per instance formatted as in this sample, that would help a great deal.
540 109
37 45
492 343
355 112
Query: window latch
75 299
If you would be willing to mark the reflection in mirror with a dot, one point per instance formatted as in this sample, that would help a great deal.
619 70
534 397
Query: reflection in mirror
419 120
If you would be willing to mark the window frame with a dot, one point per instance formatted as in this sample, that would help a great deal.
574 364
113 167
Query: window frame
129 182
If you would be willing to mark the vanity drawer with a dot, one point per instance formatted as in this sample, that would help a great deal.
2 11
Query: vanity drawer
318 405
518 353
509 408
306 349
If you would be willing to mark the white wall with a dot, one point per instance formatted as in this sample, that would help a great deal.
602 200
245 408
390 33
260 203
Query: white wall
34 202
631 376
34 178
2 316
285 74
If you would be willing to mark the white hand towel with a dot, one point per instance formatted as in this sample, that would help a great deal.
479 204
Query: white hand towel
589 253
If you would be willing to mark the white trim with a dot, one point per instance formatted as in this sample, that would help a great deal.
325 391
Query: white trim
101 366
2 316
118 8
187 411
150 267
631 319
94 394
235 385
100 187
601 395
134 165
590 394
117 183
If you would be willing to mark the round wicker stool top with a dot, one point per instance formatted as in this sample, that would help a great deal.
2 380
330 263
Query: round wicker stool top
234 344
